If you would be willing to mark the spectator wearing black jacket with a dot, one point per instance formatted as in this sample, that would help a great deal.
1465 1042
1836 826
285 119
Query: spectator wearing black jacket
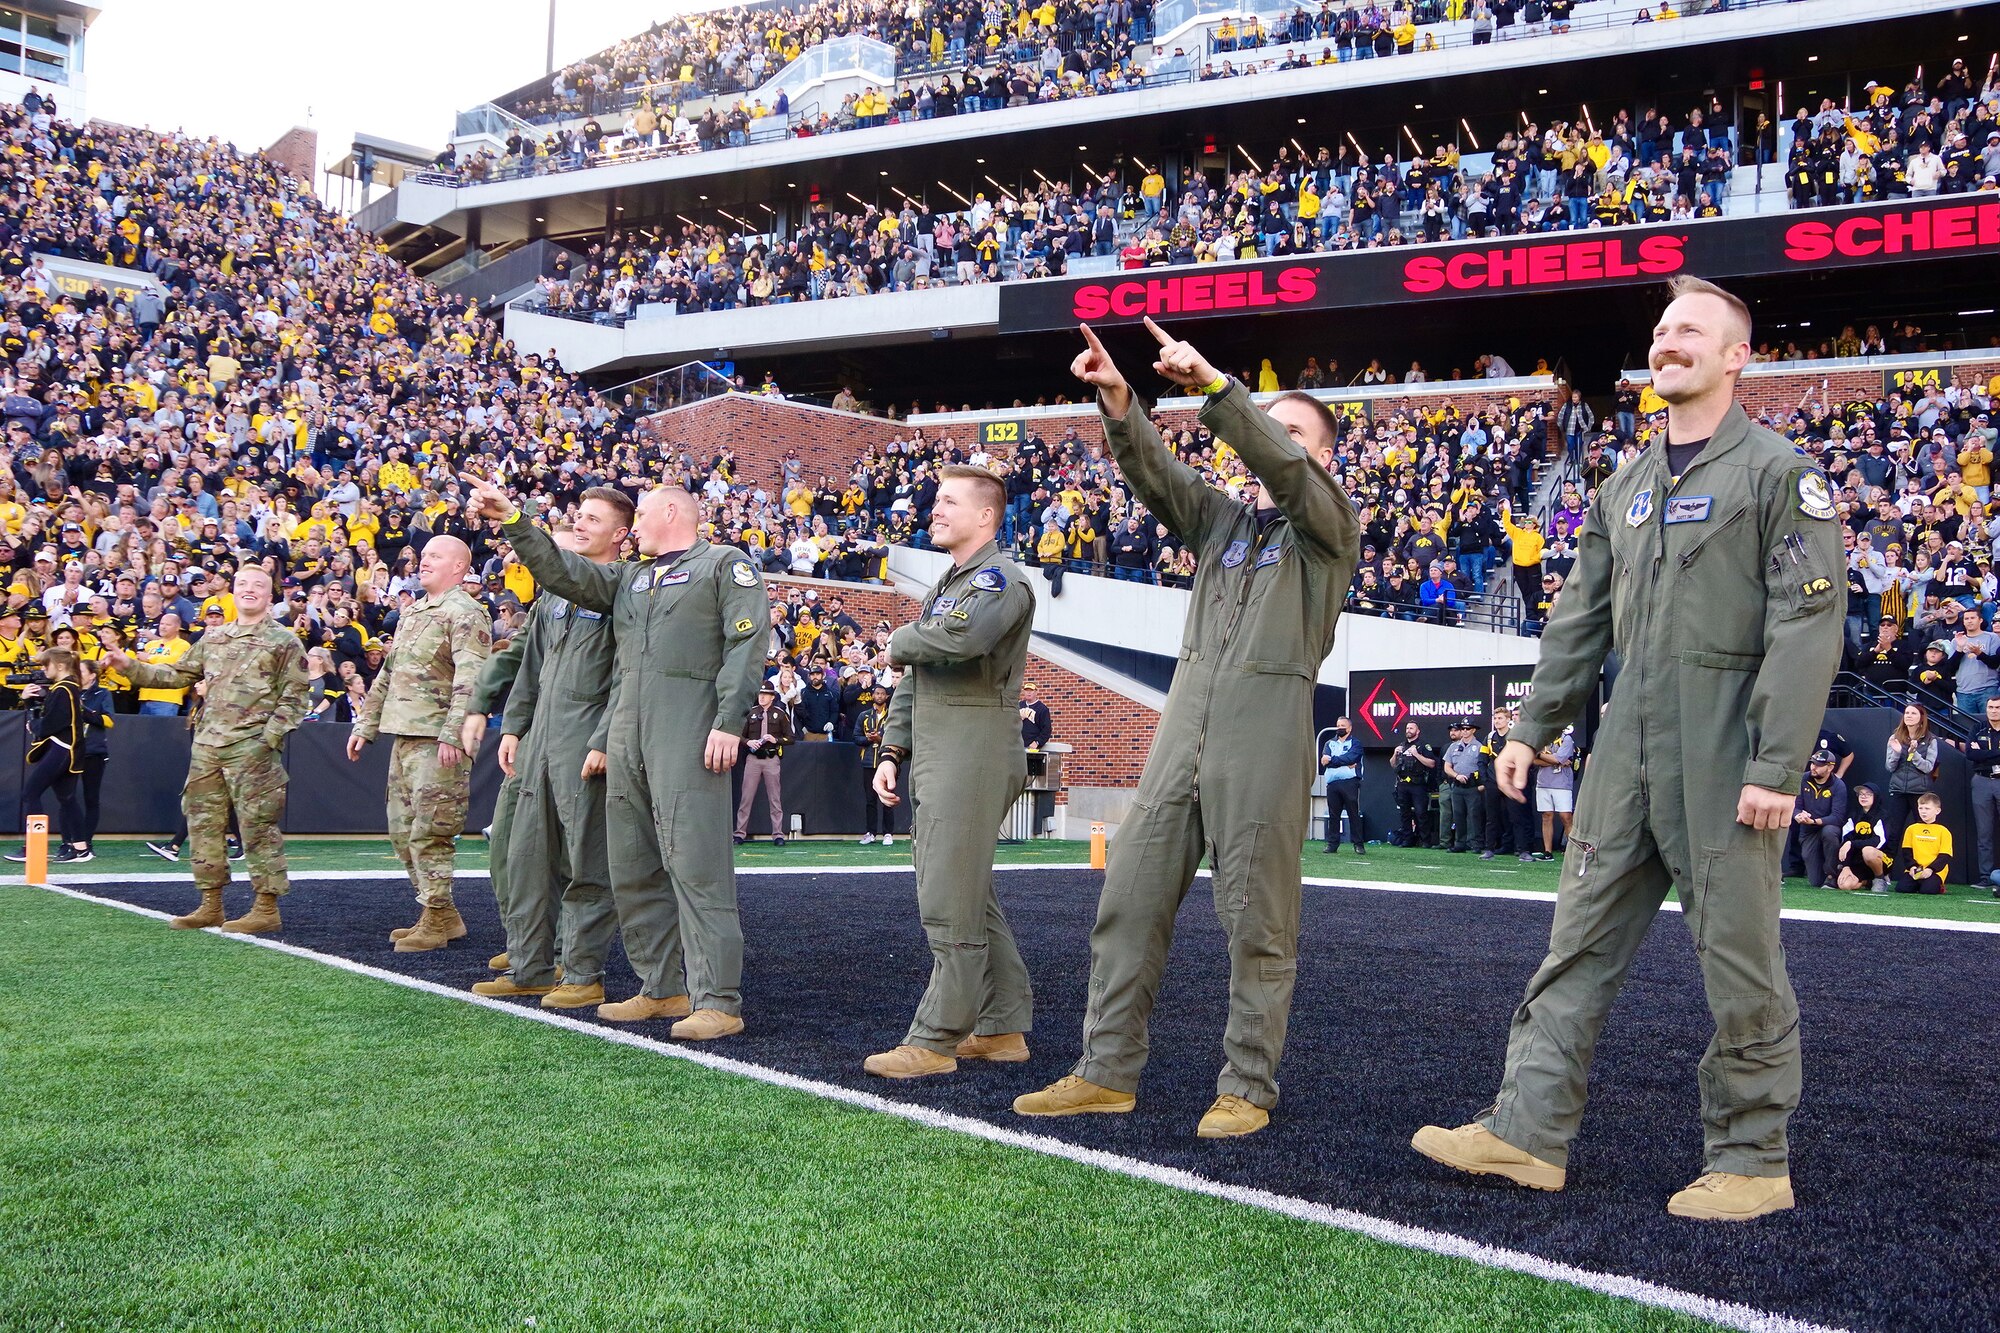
817 710
55 755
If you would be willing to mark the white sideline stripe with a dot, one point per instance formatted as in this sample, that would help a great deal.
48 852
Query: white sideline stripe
1318 881
1726 1313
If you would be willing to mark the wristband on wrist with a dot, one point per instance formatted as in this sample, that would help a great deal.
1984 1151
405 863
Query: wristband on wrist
1220 384
896 755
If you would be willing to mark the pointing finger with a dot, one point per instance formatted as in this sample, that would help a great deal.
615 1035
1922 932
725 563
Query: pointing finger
1090 336
1158 332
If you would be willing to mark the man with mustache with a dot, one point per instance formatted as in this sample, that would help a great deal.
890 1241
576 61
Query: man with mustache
1712 564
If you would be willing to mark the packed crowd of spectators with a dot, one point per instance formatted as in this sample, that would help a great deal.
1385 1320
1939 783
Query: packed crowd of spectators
738 49
955 57
1653 166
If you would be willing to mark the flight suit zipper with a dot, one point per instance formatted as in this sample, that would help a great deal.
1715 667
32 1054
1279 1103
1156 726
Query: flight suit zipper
1228 629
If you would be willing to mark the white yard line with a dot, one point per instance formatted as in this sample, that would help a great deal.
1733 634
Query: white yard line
1726 1313
1320 881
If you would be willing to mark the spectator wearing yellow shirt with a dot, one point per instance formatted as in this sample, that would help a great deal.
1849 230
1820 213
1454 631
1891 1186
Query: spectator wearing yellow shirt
165 648
514 576
1975 465
1926 861
1525 539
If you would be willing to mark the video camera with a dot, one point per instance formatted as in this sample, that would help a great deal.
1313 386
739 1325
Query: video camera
17 679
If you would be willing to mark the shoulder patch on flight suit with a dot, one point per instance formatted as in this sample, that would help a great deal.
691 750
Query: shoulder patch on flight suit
1641 508
1689 508
1270 555
745 626
1816 587
675 579
959 615
642 580
989 580
742 575
1815 500
1233 557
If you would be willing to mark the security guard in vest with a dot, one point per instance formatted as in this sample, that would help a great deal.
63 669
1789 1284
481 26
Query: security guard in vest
1230 773
1711 564
689 620
956 720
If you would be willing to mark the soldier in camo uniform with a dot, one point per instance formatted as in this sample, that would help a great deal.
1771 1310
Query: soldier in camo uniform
420 698
254 677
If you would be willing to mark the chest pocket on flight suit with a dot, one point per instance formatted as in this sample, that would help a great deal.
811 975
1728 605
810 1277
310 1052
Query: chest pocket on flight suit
1718 592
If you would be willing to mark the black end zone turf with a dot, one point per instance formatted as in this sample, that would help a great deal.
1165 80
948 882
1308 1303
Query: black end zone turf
1400 1019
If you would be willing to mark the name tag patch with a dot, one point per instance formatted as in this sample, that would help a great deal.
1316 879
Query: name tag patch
943 604
1689 508
582 614
675 579
1270 555
1233 557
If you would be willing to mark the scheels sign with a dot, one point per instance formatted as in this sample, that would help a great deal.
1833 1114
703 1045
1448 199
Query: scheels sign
1727 247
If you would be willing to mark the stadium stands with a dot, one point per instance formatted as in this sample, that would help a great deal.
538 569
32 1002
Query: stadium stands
1655 166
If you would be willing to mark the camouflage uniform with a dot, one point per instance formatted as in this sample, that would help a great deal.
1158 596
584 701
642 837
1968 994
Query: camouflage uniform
420 698
256 694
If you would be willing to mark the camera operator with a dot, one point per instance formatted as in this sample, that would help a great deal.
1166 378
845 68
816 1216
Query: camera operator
55 750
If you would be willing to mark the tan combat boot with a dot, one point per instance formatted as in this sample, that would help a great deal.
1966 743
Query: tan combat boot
1004 1048
1231 1118
430 932
506 986
454 927
1478 1151
499 962
909 1062
1721 1197
645 1006
572 996
261 919
208 914
706 1025
1073 1094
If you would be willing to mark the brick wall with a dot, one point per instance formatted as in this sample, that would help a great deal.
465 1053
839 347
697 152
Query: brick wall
760 429
1110 732
1780 393
297 151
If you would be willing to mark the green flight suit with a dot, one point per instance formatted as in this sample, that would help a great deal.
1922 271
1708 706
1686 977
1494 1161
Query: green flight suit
958 715
560 873
1230 772
499 672
1723 595
690 635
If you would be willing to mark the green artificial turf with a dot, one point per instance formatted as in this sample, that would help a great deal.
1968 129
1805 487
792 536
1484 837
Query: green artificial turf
206 1135
1383 864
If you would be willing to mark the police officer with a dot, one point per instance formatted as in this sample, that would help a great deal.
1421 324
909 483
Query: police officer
1982 756
1415 761
255 694
419 698
553 745
689 621
1340 760
1711 565
1231 766
1464 807
956 720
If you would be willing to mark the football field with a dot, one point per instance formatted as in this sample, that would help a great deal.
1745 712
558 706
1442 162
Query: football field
316 1132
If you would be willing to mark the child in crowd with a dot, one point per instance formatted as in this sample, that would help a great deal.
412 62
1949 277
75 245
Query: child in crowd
1928 846
1864 855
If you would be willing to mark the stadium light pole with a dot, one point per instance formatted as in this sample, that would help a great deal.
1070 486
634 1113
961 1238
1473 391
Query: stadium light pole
552 38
